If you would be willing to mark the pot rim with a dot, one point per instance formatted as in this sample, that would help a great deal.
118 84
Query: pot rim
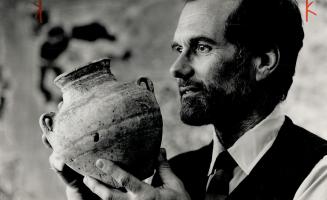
92 67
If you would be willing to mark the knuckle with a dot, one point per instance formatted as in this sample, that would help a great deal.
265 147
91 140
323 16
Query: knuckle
125 180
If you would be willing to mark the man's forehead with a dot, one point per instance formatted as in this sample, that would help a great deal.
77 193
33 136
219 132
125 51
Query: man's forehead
208 9
204 17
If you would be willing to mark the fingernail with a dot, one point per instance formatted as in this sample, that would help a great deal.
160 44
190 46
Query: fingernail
85 179
100 164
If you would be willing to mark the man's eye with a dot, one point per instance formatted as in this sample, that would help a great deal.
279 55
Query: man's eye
202 48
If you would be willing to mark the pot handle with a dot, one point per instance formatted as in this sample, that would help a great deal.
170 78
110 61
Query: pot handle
144 81
46 122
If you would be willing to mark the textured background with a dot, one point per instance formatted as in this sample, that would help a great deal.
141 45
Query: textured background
144 27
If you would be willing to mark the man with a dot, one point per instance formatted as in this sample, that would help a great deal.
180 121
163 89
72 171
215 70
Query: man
235 65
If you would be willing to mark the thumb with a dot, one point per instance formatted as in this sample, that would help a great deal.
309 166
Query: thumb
166 174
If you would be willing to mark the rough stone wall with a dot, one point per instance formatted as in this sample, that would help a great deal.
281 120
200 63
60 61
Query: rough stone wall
145 27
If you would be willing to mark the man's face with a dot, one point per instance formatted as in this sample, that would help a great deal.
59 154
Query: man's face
213 78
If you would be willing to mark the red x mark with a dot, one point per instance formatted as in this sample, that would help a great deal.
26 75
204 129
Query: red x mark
307 10
38 15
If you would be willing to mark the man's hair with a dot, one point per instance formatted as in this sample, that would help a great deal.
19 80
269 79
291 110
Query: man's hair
260 25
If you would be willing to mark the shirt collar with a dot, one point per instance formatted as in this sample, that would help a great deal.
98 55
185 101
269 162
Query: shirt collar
251 146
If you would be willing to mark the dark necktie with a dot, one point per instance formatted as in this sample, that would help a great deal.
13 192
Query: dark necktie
218 187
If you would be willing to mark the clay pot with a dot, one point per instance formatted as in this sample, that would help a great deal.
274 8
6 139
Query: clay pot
102 118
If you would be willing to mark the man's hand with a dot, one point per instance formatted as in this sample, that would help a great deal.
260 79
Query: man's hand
172 188
75 188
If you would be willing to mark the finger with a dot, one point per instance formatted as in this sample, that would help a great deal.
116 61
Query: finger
102 191
82 192
123 178
166 174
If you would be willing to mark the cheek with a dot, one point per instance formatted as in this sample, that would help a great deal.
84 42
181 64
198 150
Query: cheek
208 68
215 75
219 78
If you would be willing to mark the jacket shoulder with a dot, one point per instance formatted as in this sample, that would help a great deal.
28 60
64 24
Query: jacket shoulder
190 167
303 139
192 159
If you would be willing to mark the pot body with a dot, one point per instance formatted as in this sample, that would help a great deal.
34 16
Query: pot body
102 118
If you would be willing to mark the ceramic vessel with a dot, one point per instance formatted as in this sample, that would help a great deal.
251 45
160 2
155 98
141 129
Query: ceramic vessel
103 118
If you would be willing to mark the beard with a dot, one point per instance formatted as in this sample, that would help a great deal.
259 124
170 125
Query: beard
209 106
227 98
195 110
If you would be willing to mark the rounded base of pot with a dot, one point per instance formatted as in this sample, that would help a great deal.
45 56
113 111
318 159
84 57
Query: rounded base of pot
85 165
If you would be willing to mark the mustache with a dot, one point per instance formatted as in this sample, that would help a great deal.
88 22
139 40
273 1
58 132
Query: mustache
190 83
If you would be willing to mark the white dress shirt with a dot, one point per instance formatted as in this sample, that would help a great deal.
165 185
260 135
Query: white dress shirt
250 148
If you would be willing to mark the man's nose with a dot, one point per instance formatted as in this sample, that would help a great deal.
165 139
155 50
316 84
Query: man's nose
182 68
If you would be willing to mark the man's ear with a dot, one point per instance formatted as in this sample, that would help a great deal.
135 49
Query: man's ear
266 63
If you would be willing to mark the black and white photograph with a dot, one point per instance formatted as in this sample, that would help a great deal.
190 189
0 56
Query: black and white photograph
163 100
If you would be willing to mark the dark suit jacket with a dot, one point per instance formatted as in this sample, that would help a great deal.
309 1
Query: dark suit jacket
276 176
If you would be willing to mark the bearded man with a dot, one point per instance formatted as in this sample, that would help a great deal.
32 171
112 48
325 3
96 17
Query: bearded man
236 61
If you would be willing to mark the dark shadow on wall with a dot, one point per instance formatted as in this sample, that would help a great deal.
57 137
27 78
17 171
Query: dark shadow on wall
56 44
92 32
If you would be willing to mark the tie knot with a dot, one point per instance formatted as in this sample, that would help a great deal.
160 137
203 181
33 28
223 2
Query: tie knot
225 161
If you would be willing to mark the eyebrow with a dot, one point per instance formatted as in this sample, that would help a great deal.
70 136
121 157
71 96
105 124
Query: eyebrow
196 40
204 39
